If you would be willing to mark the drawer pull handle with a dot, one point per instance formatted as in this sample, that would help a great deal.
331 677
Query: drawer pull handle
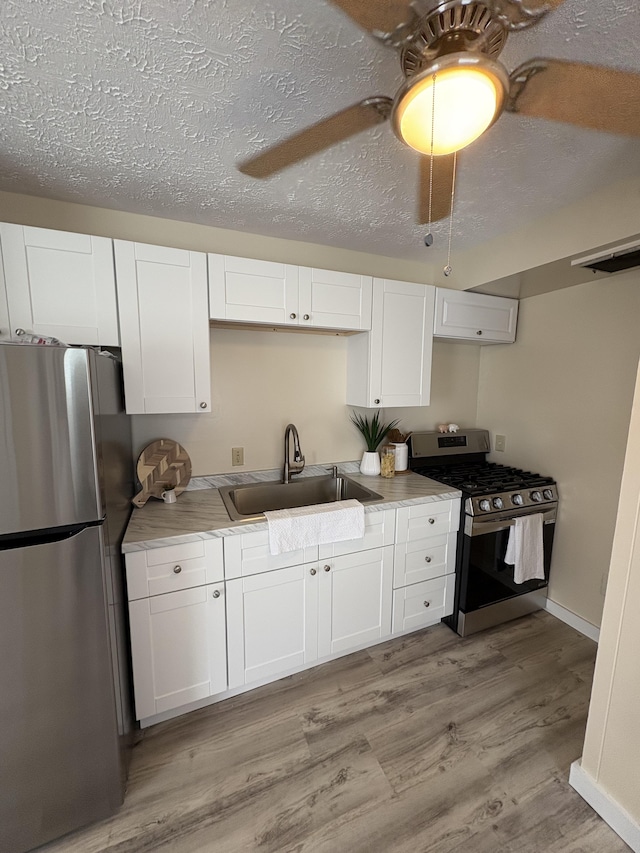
327 568
216 593
427 559
312 571
432 521
426 603
177 570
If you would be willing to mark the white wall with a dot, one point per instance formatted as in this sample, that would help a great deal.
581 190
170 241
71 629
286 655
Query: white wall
611 756
262 380
562 396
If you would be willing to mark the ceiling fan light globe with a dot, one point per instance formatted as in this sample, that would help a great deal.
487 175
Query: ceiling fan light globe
469 96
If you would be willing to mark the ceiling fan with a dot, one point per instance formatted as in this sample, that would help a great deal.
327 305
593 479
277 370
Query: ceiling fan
455 88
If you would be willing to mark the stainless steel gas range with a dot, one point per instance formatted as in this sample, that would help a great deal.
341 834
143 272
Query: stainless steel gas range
493 496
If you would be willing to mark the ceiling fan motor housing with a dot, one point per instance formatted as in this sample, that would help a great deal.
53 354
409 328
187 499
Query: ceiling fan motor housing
453 27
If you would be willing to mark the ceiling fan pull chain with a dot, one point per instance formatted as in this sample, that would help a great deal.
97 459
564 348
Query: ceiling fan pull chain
447 269
428 240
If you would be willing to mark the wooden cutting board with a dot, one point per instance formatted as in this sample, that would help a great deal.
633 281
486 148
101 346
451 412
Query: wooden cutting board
161 465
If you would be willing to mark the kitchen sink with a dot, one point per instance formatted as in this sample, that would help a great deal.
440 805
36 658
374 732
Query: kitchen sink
253 499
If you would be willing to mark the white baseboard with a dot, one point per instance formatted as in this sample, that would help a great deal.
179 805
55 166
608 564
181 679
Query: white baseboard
609 810
571 619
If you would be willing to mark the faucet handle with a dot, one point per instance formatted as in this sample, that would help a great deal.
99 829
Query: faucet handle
334 472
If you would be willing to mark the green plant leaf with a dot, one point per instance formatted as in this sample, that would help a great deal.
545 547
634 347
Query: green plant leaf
372 428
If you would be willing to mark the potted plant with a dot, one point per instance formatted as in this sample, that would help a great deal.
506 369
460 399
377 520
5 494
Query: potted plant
373 431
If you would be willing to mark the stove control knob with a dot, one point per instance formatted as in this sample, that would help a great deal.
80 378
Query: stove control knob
548 494
498 504
485 506
517 500
536 496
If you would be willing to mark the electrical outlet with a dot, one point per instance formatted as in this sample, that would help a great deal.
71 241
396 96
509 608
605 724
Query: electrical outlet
237 455
501 442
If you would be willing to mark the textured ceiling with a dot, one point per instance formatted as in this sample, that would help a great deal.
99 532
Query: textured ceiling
147 105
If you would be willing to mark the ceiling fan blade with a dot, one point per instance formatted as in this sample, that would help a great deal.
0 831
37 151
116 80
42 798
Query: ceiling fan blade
591 96
441 193
391 21
319 136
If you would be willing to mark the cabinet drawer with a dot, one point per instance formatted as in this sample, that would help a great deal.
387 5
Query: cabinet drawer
422 604
160 570
423 559
424 520
248 554
378 532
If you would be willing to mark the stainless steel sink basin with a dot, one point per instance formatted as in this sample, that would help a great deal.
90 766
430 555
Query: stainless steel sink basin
253 499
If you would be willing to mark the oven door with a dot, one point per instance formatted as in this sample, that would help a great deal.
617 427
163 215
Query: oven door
485 578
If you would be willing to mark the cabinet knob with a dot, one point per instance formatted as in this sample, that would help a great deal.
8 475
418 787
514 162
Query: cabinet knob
426 603
432 521
427 559
306 317
479 332
203 405
20 332
327 568
377 402
292 316
177 570
312 571
216 593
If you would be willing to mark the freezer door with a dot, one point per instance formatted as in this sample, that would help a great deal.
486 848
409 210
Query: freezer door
47 443
60 765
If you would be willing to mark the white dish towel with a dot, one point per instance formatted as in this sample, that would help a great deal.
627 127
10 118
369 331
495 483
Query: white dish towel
300 527
525 550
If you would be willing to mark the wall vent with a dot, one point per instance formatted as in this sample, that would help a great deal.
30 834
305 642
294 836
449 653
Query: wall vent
619 258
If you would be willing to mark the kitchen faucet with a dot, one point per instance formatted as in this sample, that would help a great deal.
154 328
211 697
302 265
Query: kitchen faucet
297 465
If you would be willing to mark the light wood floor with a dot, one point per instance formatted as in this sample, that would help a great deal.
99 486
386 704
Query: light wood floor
425 743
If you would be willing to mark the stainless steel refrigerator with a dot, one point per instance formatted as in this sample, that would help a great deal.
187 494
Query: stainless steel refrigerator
65 482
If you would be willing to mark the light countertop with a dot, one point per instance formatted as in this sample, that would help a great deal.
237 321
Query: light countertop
201 514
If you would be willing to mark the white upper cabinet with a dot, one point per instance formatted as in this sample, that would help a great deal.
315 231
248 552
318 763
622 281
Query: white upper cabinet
476 317
392 365
5 328
248 291
334 300
164 326
59 284
243 290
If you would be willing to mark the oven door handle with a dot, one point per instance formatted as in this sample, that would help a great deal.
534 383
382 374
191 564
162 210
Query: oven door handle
481 528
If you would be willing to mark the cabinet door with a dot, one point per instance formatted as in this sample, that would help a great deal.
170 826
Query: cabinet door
178 648
60 284
164 325
334 300
475 316
392 365
272 623
250 291
355 600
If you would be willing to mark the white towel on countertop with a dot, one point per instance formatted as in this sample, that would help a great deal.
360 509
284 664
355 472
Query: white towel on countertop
302 526
525 551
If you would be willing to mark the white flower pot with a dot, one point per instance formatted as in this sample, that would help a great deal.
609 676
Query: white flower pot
370 463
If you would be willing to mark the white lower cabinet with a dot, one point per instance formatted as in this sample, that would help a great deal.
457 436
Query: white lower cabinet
354 606
272 623
179 648
424 564
219 615
422 604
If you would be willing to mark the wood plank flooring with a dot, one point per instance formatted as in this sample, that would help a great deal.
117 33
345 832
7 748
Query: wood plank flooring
425 743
